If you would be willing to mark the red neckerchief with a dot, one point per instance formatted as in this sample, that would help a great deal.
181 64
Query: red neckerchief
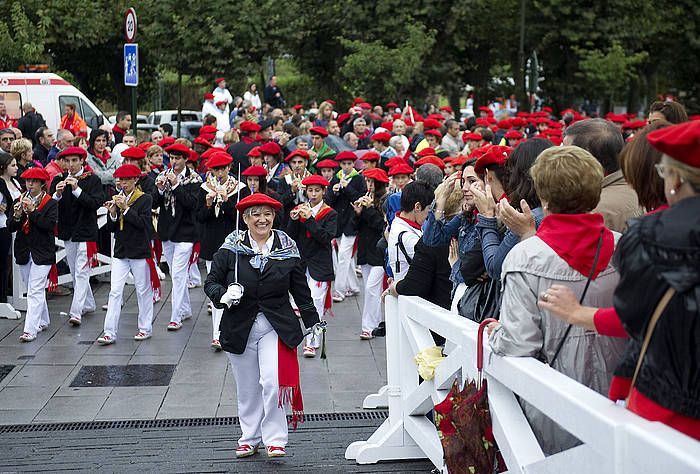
247 139
118 129
413 224
25 226
662 207
104 157
574 237
503 196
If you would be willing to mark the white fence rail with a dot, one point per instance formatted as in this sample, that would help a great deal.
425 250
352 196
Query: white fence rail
614 439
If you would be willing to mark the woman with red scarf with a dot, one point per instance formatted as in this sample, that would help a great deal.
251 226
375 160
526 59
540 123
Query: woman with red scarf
99 158
34 219
573 246
251 277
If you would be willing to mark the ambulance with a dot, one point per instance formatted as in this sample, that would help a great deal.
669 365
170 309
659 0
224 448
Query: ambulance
48 93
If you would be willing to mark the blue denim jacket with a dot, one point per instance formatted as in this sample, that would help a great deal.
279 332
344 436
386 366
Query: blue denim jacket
437 233
495 245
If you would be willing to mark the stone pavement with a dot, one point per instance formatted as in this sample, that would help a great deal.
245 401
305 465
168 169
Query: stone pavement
64 376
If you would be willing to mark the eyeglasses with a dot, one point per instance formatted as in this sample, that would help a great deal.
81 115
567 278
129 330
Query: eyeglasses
660 169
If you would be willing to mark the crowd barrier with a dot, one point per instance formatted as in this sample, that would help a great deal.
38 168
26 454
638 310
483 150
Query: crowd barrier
614 440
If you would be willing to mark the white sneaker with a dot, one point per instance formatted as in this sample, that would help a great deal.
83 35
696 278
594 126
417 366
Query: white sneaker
26 337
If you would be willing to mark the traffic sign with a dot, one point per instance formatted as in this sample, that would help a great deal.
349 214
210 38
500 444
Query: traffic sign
131 64
130 25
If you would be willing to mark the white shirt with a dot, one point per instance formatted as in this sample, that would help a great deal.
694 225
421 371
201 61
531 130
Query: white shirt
208 108
254 99
267 246
409 239
315 210
76 192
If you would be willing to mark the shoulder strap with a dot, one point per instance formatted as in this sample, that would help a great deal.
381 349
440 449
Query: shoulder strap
663 302
403 248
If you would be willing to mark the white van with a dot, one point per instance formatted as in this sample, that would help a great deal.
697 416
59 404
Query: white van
48 93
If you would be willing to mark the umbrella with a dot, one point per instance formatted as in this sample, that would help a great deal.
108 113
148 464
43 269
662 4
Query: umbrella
464 424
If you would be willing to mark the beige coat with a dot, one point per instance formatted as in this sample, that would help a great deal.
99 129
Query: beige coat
618 202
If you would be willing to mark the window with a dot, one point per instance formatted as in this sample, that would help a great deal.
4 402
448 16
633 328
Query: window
92 118
13 102
63 100
156 119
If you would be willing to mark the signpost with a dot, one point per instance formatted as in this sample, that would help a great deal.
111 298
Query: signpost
131 61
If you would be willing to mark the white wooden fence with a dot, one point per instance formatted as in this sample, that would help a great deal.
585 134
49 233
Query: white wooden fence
614 439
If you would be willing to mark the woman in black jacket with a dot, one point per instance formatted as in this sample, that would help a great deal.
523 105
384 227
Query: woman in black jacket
370 229
10 189
251 278
34 219
313 225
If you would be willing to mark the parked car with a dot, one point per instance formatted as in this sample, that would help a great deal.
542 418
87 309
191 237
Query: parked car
139 119
188 130
169 116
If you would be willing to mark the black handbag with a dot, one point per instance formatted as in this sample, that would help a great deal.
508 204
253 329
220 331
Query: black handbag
481 300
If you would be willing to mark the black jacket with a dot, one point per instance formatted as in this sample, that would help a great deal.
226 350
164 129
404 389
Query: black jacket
370 228
314 240
29 123
7 197
39 241
134 239
239 152
342 201
77 217
658 251
429 275
215 229
183 226
147 183
40 154
266 292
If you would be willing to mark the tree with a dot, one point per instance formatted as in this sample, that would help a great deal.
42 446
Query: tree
22 39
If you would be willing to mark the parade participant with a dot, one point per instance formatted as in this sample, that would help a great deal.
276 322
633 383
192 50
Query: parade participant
130 220
319 150
291 189
217 215
239 151
370 228
259 329
221 93
177 202
72 121
79 194
313 226
326 168
34 220
345 188
272 156
137 157
370 160
400 176
208 107
433 137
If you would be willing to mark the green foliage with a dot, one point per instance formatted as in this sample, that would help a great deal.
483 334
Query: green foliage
608 72
22 39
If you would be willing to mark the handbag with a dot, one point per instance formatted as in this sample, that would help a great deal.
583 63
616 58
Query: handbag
481 300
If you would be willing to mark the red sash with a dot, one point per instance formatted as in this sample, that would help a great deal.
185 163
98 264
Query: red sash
321 214
288 379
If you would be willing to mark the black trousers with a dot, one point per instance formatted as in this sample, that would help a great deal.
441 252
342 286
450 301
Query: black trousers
5 263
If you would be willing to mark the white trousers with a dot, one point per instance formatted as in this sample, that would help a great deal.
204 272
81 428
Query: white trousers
177 254
76 256
345 277
318 294
144 293
372 310
34 277
216 313
257 388
194 276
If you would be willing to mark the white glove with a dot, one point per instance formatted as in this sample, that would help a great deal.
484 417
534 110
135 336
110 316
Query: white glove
233 295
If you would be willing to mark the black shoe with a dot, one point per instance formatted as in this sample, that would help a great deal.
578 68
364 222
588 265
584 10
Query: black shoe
379 332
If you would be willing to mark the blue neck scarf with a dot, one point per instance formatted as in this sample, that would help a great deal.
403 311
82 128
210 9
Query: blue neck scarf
288 248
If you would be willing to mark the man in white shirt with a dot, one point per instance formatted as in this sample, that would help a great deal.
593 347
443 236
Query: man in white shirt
405 231
222 93
208 107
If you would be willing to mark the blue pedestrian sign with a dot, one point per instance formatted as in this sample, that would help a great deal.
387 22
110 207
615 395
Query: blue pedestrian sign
131 64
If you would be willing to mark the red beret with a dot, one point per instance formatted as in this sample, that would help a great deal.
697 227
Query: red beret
326 164
388 125
315 179
166 141
547 109
381 137
219 159
431 123
541 120
364 105
377 174
219 79
427 151
518 122
254 152
681 142
439 117
370 156
258 199
297 107
482 122
357 100
491 120
207 129
301 153
200 140
484 108
459 161
194 156
222 101
634 125
431 160
434 133
210 151
396 116
556 141
249 127
208 96
346 155
144 146
270 148
478 152
505 124
332 102
318 131
449 159
256 170
391 105
36 173
127 171
402 168
178 148
513 134
134 153
447 108
495 155
73 151
397 160
342 118
617 118
472 136
522 114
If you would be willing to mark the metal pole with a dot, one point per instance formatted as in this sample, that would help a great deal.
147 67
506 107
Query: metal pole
134 111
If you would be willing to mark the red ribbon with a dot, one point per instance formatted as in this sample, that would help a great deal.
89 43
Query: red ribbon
288 379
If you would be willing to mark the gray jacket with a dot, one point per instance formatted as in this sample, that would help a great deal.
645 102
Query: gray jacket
102 170
529 269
